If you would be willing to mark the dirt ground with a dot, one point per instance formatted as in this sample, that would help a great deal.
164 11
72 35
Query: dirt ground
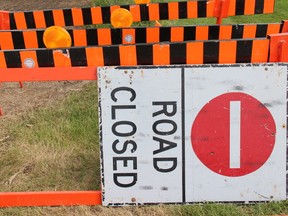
15 100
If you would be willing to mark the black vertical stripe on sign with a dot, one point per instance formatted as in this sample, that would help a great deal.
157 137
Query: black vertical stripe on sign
116 36
92 37
105 14
70 31
237 31
202 8
261 30
244 51
178 53
183 134
211 52
68 17
45 58
163 11
111 55
213 32
144 12
259 6
189 33
87 16
30 21
78 57
49 19
40 39
140 35
165 34
12 21
18 39
240 7
13 59
144 54
182 10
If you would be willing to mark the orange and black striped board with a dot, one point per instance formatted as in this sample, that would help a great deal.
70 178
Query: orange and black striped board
142 12
197 52
29 39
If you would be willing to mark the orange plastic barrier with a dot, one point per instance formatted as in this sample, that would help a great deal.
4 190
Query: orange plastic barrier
279 48
196 52
53 198
30 39
142 12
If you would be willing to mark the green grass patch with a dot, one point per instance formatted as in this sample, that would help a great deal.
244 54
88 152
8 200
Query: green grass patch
54 148
273 208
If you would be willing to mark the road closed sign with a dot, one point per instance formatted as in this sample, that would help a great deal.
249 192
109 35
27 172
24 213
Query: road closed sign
188 134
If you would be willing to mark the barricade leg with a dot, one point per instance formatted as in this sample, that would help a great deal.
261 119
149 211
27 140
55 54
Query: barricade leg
221 10
278 47
53 198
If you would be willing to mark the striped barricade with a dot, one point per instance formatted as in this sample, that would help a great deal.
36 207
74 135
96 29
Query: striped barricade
195 52
142 12
78 63
30 39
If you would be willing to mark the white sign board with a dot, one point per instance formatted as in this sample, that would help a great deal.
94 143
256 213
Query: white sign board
187 134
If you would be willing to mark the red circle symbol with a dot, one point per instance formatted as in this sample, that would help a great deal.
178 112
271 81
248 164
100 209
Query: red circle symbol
233 148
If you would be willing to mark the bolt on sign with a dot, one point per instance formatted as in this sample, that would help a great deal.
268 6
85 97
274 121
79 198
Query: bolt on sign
185 134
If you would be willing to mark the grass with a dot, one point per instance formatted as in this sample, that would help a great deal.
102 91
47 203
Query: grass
57 148
53 147
279 208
